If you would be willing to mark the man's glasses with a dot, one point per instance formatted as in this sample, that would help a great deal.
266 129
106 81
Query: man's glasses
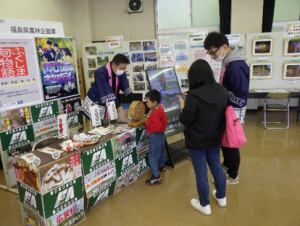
213 53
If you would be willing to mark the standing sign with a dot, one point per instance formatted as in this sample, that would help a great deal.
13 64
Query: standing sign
57 67
19 76
63 129
114 42
95 115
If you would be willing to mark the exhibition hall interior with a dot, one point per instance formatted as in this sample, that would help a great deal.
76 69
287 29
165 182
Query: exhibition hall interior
150 112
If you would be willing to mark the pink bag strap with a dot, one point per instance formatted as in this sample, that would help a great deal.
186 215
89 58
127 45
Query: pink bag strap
221 79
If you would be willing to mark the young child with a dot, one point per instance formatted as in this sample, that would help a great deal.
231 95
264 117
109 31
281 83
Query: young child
156 125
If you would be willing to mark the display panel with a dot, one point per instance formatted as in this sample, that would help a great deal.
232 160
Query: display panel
165 81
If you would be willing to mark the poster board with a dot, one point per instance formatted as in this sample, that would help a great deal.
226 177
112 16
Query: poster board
165 81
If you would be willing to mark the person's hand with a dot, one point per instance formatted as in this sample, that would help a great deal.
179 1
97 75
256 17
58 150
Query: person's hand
181 101
123 114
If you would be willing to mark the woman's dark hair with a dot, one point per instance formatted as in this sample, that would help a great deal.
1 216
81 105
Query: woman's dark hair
120 59
154 95
199 74
215 39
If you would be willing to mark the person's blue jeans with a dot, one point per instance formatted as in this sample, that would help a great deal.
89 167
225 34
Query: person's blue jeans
212 158
156 152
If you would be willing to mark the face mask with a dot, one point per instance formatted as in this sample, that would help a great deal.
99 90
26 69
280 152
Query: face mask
119 72
220 58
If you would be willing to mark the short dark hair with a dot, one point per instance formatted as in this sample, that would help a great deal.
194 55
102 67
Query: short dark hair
120 59
200 73
216 40
153 95
56 45
49 42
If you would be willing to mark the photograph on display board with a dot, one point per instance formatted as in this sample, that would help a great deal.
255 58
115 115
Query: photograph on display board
8 155
291 47
12 119
291 70
139 77
91 73
27 174
149 46
19 76
137 57
135 46
261 70
262 47
62 171
139 86
138 67
57 67
92 62
69 104
102 60
91 50
150 57
150 66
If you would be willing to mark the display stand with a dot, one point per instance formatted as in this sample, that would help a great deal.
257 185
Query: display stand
96 171
175 152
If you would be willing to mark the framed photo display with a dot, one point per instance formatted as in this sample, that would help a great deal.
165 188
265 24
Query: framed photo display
291 47
261 70
262 47
291 70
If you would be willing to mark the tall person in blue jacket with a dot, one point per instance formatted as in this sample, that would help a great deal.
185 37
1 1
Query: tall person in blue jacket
107 82
235 78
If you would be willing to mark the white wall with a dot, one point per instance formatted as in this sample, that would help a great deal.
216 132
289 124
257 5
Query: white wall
110 19
246 16
50 10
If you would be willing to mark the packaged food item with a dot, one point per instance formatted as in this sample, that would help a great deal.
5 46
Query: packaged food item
49 150
87 139
70 145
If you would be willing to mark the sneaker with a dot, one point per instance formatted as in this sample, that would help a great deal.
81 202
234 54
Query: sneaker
162 169
203 209
230 180
153 180
222 202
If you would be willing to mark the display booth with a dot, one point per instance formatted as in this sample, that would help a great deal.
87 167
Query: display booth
59 191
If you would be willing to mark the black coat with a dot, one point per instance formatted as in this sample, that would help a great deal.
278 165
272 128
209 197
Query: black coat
204 116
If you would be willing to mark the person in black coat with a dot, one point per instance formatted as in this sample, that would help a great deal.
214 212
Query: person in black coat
203 114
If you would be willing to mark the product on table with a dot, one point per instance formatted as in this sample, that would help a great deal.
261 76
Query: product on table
70 145
49 150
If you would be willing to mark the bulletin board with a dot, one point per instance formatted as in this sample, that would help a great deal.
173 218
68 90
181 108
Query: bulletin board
278 59
142 55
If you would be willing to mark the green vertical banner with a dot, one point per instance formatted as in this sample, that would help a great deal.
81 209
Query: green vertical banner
30 198
101 195
126 162
75 119
62 197
144 165
44 111
96 157
17 137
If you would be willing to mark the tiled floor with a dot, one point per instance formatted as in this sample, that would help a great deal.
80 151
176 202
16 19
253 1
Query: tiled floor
268 192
